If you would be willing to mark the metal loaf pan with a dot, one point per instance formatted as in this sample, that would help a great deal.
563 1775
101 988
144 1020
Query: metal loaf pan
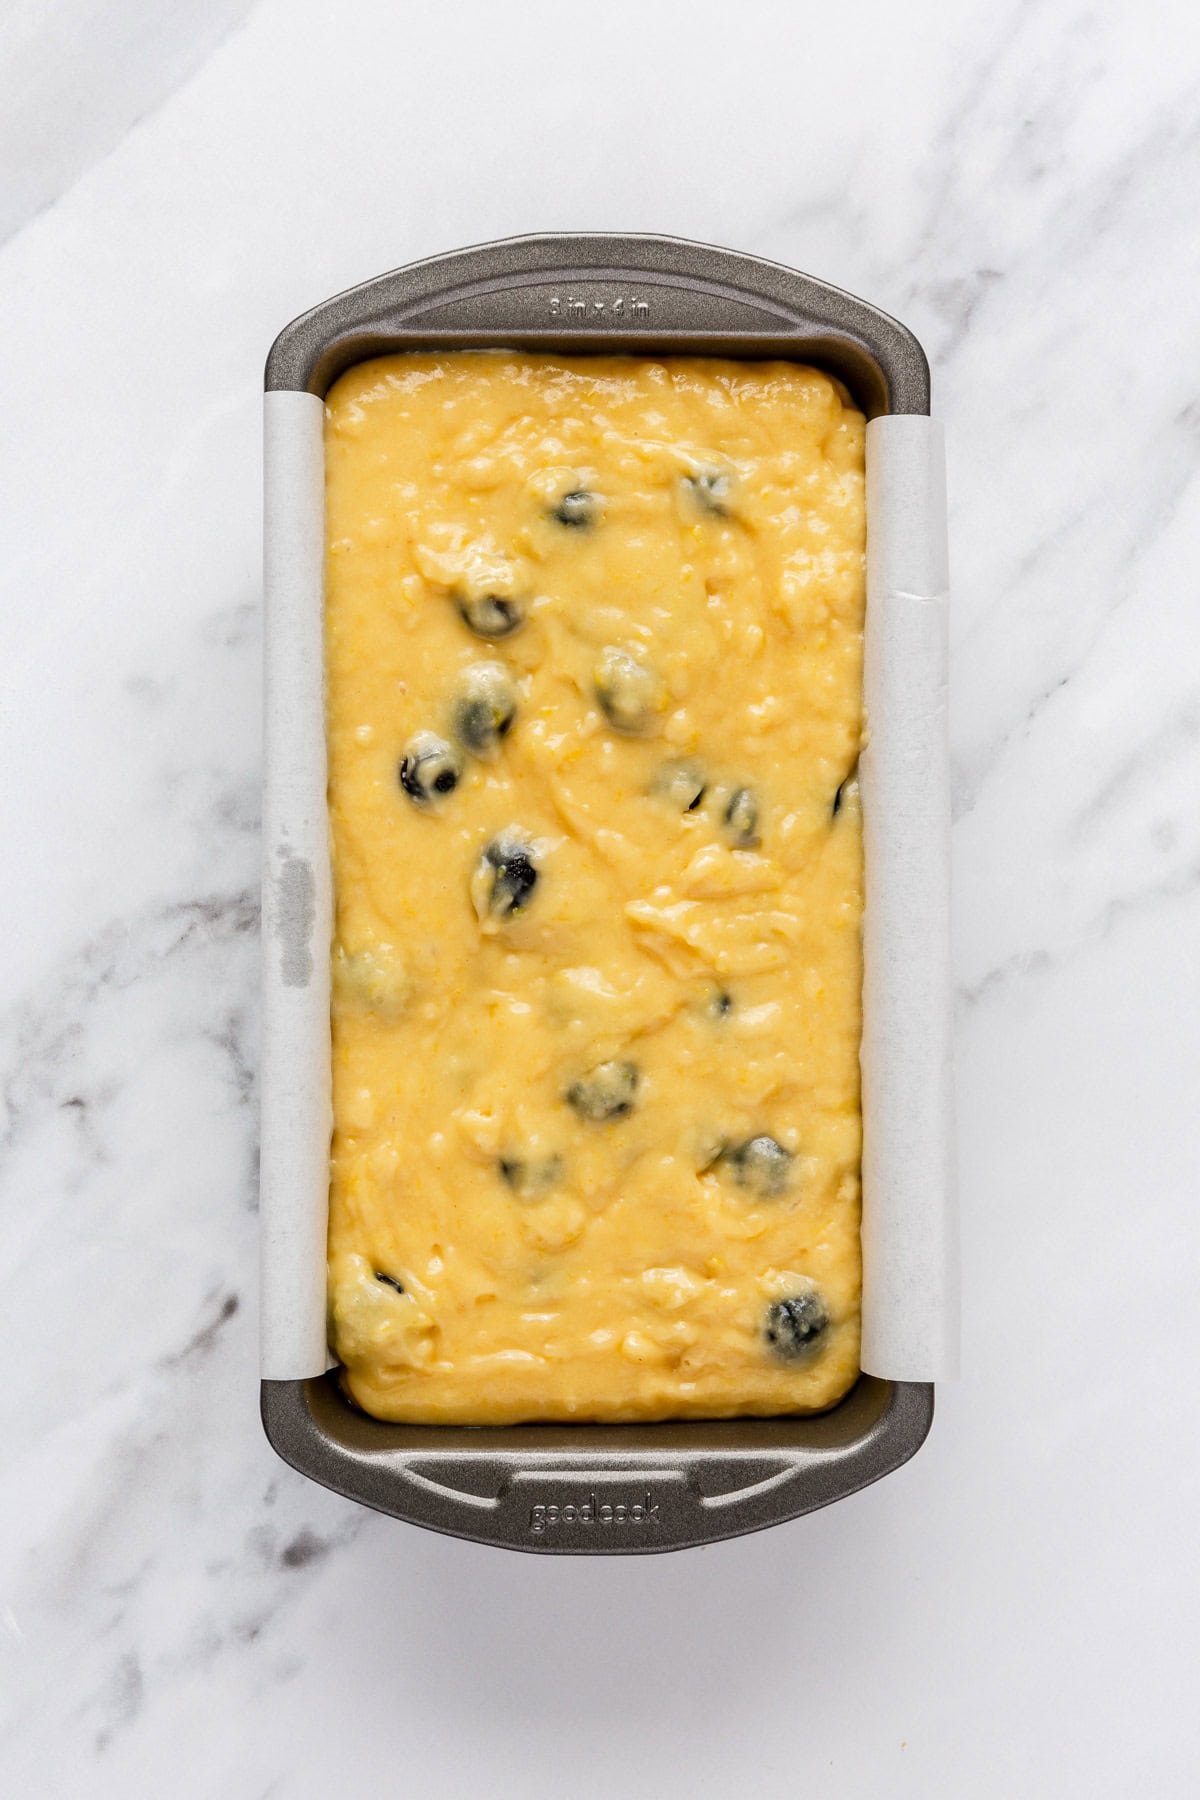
599 1488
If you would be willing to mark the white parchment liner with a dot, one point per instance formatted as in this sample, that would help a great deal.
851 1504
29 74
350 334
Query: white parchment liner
297 897
910 1258
910 1302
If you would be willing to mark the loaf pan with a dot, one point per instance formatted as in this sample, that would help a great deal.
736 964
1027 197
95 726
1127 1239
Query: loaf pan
596 1489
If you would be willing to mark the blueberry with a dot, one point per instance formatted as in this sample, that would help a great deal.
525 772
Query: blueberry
430 769
484 708
682 785
720 1004
504 879
490 615
761 1165
389 1281
606 1093
740 819
629 693
794 1325
529 1176
578 509
841 793
712 490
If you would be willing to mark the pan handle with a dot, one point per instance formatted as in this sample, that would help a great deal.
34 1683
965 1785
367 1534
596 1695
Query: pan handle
586 1490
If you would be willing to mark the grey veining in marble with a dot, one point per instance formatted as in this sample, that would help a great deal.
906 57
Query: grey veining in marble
179 1613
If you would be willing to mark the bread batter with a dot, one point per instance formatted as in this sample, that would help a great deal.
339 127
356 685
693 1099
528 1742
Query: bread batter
594 652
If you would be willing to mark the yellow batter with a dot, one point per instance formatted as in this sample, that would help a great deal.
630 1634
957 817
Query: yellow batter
594 640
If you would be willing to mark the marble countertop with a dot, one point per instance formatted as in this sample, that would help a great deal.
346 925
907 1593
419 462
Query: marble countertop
1013 1612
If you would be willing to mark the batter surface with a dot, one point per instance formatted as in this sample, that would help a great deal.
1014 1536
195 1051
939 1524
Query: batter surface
594 650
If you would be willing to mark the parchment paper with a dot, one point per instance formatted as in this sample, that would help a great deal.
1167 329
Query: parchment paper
910 1288
297 898
910 1258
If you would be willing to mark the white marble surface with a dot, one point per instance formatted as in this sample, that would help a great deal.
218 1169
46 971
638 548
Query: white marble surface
1014 1611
